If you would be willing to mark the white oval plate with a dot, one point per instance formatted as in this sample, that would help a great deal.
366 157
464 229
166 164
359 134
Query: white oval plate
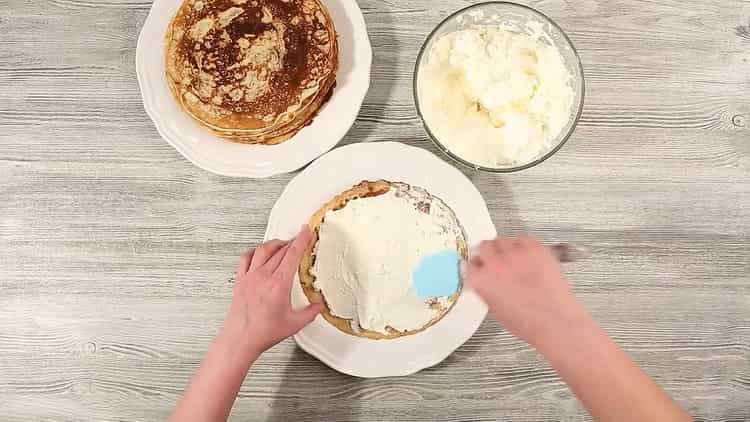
217 155
339 170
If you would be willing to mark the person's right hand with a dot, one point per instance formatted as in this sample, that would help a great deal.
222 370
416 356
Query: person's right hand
522 283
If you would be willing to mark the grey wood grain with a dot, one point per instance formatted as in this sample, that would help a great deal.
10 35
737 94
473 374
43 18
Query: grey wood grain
115 252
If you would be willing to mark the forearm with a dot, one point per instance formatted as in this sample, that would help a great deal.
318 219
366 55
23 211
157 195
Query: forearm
603 377
214 387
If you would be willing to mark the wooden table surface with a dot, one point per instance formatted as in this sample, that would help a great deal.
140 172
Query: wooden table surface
115 251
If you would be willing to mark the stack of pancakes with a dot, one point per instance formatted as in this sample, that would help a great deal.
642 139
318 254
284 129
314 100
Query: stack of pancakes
422 201
252 71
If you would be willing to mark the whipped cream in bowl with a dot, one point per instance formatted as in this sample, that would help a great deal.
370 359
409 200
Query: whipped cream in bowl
498 86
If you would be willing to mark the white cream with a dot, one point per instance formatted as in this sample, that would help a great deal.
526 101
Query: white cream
365 257
495 97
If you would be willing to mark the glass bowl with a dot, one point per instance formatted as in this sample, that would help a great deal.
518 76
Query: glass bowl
516 15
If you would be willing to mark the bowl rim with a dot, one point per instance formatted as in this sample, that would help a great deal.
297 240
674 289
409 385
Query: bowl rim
455 157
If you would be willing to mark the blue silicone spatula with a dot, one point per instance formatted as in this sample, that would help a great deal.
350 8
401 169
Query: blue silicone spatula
438 274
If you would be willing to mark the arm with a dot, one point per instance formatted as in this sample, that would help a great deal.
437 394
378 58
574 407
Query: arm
525 290
259 317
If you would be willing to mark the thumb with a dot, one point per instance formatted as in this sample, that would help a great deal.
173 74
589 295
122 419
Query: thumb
478 282
470 273
305 316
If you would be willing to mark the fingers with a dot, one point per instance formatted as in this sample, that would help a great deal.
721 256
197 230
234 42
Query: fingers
293 255
510 244
244 265
564 252
471 272
529 241
481 286
474 264
264 252
488 248
275 260
469 269
502 245
305 316
505 244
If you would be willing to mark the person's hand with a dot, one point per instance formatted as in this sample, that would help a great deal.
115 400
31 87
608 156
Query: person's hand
521 282
261 313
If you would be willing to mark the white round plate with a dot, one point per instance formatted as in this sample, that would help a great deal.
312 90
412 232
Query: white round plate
339 170
217 155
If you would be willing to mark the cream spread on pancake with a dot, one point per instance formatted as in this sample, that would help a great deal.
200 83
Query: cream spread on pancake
366 254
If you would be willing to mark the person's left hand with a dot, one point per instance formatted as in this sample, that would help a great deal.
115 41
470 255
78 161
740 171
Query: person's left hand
261 312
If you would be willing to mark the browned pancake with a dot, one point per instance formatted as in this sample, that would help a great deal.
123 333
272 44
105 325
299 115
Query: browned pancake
254 71
367 189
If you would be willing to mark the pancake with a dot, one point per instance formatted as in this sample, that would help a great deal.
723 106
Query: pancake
424 203
252 71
